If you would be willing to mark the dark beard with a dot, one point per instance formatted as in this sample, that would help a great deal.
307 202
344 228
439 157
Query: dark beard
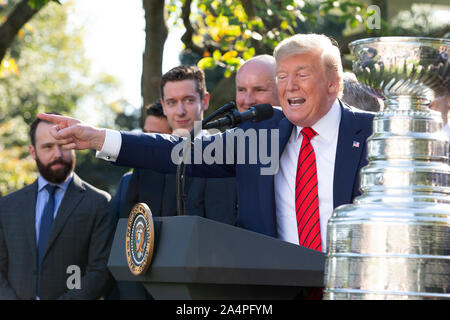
56 176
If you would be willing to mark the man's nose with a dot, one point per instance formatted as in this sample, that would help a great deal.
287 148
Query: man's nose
181 110
250 99
292 84
58 151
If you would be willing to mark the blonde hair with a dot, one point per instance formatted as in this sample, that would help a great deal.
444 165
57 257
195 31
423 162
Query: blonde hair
305 43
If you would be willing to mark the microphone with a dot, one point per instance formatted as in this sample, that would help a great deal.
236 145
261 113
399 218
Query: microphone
256 113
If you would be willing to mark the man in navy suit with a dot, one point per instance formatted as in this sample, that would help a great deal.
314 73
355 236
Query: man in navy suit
309 83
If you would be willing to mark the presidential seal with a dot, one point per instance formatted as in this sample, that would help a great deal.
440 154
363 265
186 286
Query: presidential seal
140 239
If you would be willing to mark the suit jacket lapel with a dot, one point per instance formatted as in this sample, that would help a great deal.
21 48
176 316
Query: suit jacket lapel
348 154
266 183
29 208
72 197
285 133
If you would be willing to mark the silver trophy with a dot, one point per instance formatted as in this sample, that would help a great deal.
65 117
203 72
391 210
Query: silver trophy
393 242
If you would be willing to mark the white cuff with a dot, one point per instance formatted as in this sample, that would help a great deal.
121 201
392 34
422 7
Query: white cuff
111 146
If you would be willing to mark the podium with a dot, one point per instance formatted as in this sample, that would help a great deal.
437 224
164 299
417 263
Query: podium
197 258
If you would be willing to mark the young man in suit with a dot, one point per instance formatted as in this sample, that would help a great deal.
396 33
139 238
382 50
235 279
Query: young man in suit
55 234
309 83
156 122
139 186
184 99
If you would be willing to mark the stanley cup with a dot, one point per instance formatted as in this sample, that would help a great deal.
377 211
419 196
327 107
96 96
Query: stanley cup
393 241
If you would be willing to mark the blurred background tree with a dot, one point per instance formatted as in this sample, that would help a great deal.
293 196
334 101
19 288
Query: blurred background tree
221 34
46 70
43 64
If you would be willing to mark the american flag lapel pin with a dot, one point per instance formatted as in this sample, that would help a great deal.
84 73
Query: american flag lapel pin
355 144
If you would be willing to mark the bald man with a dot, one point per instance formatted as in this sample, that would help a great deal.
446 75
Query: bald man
255 83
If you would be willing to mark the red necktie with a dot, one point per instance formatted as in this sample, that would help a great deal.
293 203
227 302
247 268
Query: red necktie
306 194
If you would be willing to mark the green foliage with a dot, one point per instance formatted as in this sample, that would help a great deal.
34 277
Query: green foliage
38 4
51 74
50 66
232 31
17 168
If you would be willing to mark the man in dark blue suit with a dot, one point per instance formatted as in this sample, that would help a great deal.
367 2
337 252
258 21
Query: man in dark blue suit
317 130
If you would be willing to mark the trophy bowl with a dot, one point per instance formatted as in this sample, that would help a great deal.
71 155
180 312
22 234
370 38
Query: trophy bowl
393 242
390 68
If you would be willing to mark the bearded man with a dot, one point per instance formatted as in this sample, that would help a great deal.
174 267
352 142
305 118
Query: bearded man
55 234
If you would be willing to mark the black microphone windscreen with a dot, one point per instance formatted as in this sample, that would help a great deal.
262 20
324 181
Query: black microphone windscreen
263 112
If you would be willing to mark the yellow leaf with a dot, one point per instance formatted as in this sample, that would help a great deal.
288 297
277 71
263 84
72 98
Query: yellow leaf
8 66
222 22
234 31
214 33
229 54
215 4
13 66
239 13
28 27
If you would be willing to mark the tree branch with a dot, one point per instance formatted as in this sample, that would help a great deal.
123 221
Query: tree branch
249 8
21 14
155 37
187 36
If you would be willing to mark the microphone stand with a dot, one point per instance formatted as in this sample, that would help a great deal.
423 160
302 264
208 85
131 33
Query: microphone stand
181 168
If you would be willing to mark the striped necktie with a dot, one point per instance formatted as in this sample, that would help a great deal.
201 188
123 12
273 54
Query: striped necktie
306 194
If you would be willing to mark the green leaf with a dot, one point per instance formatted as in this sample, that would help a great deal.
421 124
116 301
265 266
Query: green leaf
217 55
38 4
227 73
240 46
249 53
206 63
235 62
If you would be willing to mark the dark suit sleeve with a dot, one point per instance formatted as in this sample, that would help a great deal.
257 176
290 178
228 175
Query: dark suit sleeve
6 292
116 199
221 200
97 280
159 152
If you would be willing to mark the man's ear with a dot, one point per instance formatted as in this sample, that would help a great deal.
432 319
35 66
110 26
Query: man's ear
333 86
205 101
32 151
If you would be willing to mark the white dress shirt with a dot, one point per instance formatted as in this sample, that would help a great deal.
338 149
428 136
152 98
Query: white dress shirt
113 142
324 145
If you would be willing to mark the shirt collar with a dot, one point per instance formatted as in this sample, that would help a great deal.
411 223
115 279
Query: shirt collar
328 126
42 182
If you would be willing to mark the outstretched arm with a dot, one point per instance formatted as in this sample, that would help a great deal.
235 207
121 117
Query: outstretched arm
74 134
